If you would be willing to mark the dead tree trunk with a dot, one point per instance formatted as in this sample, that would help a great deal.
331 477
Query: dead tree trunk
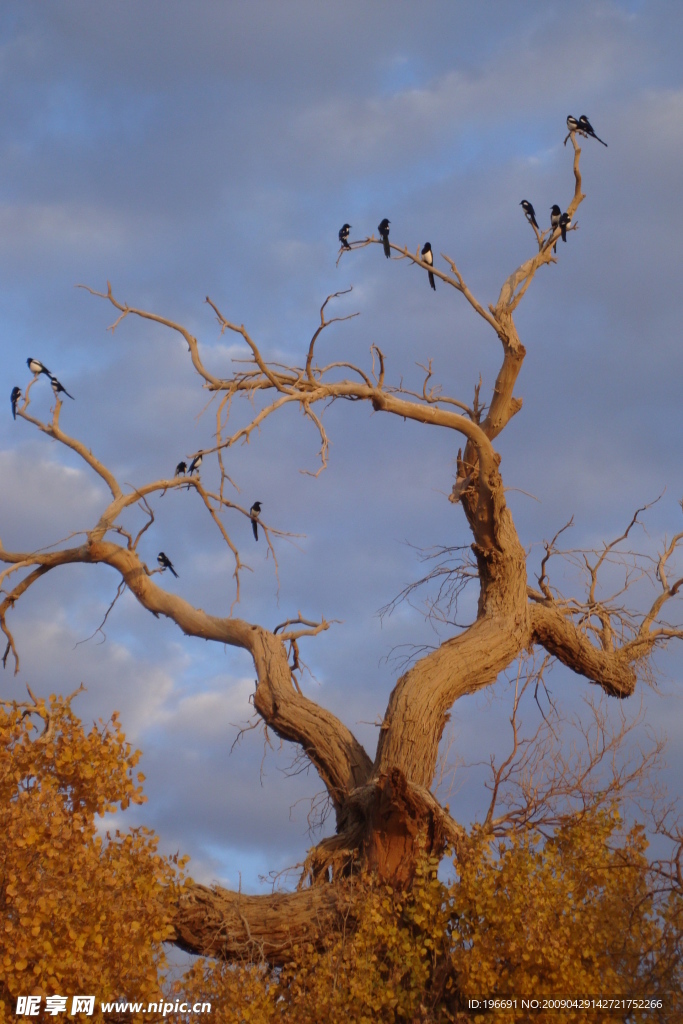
386 815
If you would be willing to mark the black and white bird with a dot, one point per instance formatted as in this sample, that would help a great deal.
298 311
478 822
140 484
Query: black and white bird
254 513
59 388
565 221
383 228
555 214
15 396
427 257
529 212
195 464
180 469
344 235
36 367
165 563
572 124
587 128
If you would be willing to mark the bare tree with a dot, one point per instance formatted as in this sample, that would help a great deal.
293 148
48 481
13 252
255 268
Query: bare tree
386 814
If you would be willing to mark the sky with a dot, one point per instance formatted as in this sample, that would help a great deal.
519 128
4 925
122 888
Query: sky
183 150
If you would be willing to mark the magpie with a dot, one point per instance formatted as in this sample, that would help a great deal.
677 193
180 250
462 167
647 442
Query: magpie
58 388
555 214
194 466
529 213
254 513
572 124
180 469
16 395
586 127
166 563
35 366
565 221
344 235
383 228
428 258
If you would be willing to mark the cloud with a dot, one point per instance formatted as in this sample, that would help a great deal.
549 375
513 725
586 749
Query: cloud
29 515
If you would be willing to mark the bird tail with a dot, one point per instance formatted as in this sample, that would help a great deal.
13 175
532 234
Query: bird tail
431 280
174 572
67 393
387 248
254 526
600 140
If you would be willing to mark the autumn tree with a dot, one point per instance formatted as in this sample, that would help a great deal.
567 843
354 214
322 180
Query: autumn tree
387 817
82 910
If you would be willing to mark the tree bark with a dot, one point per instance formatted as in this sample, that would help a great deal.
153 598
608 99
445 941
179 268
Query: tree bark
613 670
219 923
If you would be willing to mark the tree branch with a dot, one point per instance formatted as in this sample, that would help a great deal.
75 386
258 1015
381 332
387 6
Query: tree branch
219 923
126 310
611 670
335 752
53 430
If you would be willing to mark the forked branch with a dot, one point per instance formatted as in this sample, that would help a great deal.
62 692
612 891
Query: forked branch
599 636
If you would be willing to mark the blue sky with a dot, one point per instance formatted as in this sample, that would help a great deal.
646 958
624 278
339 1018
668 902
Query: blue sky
180 150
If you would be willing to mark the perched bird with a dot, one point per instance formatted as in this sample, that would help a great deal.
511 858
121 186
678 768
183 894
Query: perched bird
529 212
383 228
572 124
194 466
555 214
166 563
565 221
254 512
587 128
180 469
35 366
15 396
344 235
59 388
428 258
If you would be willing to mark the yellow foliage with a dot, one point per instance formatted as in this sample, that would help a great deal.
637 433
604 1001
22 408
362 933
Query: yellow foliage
80 913
84 913
569 917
